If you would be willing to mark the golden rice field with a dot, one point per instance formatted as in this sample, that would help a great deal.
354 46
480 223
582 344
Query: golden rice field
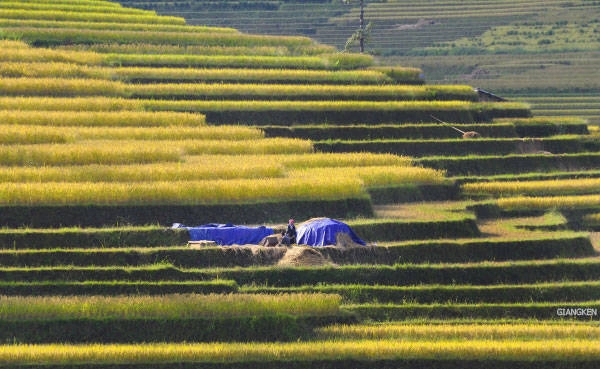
375 176
116 104
533 188
21 55
128 151
462 331
315 160
215 105
11 135
592 219
370 176
61 87
549 202
179 306
89 7
320 61
76 2
218 167
390 92
546 350
70 69
82 153
229 191
14 52
72 104
54 70
265 146
212 191
201 179
234 75
62 36
98 16
46 174
323 61
544 120
312 58
71 135
39 23
140 48
103 121
100 87
75 133
13 44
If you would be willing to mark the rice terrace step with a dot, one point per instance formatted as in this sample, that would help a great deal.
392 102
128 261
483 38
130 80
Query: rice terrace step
120 119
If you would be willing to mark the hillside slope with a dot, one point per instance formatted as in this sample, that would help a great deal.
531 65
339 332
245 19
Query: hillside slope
155 72
116 122
543 52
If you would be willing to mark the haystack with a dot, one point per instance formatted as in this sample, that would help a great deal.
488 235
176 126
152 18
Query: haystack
303 256
344 240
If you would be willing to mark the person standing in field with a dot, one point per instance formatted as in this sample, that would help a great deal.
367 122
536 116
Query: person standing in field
289 237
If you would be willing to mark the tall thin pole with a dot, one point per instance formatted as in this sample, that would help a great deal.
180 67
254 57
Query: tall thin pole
362 27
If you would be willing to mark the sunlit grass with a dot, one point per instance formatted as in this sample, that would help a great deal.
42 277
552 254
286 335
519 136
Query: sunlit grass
463 331
534 188
546 350
167 307
177 122
230 191
376 175
549 202
437 210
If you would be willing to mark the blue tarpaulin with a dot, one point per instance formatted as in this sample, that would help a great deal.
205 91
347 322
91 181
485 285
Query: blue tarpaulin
227 234
322 232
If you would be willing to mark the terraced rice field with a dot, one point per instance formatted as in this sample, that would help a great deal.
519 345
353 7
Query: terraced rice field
555 84
117 122
541 52
400 25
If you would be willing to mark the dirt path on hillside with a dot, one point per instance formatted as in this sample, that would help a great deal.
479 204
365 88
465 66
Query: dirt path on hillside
595 236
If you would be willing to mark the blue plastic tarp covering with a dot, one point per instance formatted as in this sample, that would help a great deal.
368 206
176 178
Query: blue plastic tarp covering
322 232
227 234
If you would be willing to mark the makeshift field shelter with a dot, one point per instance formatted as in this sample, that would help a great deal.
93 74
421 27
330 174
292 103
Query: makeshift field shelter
227 234
326 231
